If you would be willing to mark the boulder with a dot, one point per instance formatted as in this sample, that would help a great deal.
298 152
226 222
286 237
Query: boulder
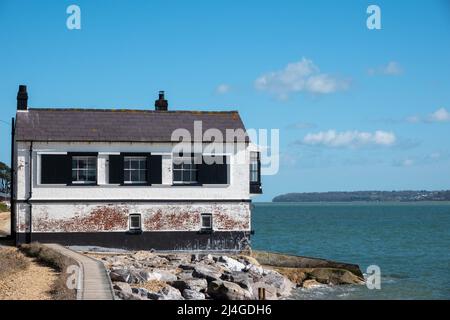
123 287
249 260
208 272
310 284
231 264
189 294
240 278
225 290
281 284
159 275
334 276
170 293
123 275
295 275
143 255
192 284
128 295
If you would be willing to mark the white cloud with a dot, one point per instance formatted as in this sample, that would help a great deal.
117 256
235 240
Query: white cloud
352 139
392 68
301 76
440 115
223 88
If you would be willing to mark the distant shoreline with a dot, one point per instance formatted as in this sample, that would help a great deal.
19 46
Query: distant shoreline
365 196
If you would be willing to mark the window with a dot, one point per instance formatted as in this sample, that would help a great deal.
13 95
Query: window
84 169
185 171
254 167
135 221
206 221
135 169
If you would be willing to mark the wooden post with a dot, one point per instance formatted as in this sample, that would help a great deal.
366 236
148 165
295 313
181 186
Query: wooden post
262 293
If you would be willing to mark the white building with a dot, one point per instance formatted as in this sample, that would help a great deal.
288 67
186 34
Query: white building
111 178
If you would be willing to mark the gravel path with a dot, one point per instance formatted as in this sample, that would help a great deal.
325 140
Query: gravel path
34 283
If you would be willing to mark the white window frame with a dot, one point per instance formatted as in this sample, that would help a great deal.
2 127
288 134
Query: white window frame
193 170
254 171
78 169
130 224
204 215
126 170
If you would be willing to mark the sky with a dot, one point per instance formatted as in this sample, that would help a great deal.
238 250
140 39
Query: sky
356 108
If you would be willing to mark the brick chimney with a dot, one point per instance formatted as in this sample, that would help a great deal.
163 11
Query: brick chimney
22 98
161 104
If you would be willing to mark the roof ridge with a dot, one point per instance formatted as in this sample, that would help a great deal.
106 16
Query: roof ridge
132 110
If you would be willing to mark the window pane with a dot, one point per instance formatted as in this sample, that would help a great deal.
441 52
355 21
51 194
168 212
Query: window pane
134 164
176 175
74 175
186 176
126 163
134 175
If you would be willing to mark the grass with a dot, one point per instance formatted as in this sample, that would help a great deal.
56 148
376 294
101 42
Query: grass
57 261
12 261
3 207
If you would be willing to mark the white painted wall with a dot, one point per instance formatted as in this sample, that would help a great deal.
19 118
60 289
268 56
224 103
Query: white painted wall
238 187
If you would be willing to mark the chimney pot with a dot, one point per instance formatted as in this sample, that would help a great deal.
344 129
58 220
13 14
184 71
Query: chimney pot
161 104
22 98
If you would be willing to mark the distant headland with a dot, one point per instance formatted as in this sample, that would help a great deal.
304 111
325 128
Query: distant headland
372 196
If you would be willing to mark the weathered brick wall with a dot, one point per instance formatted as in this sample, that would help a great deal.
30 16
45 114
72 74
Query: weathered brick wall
98 217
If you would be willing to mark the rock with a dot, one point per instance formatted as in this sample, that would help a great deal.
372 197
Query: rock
189 294
249 260
128 295
192 284
290 261
207 272
185 275
160 275
186 266
123 287
334 276
282 285
225 290
231 264
170 293
254 270
295 275
240 278
121 275
309 284
143 255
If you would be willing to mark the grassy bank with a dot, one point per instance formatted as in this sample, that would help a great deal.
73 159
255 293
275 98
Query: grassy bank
3 207
12 261
57 261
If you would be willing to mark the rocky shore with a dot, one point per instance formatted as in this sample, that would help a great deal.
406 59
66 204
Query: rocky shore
145 275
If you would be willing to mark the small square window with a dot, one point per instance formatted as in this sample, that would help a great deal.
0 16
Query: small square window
135 222
206 221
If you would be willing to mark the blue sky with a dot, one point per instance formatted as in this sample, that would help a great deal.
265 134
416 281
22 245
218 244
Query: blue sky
357 109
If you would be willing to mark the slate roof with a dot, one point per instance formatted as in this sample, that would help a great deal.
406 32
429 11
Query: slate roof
110 125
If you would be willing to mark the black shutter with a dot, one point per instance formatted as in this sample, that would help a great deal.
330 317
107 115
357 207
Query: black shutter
56 169
155 169
116 169
213 173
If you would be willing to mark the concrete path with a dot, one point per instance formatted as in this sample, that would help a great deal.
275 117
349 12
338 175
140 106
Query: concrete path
94 281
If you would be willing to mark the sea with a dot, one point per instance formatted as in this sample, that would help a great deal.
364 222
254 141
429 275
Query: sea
408 242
